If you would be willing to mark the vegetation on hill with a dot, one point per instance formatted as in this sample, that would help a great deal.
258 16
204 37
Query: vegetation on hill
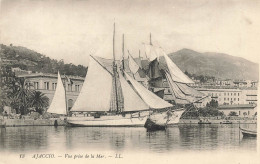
218 65
32 61
15 92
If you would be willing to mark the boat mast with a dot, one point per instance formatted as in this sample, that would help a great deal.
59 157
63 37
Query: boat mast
115 68
151 39
123 53
67 110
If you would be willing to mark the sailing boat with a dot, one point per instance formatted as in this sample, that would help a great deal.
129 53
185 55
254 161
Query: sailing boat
58 104
182 93
108 99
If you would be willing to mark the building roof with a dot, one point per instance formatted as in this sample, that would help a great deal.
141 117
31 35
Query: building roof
236 106
49 75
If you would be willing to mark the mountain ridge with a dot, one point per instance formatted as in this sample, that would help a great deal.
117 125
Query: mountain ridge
219 65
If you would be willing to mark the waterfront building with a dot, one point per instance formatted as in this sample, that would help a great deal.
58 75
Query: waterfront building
46 83
242 83
232 96
241 110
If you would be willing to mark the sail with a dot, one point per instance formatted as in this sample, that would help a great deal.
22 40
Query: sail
189 90
148 97
132 102
154 71
177 94
58 104
182 93
133 66
95 94
151 52
117 98
176 74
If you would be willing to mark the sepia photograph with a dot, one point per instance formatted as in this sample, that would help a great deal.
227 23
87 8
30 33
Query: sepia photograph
129 81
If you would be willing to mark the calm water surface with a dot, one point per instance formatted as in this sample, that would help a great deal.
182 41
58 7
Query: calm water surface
176 138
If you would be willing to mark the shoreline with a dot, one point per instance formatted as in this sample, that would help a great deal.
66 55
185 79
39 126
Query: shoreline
60 122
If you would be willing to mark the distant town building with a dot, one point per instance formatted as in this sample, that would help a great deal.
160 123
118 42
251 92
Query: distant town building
241 110
47 83
19 71
232 96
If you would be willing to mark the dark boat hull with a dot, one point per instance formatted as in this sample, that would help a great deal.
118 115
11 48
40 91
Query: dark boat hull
152 126
204 122
248 133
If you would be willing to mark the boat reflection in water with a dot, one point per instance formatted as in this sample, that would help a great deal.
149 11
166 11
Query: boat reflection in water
178 138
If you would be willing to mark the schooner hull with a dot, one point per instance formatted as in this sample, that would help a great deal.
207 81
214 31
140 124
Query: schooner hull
108 121
164 119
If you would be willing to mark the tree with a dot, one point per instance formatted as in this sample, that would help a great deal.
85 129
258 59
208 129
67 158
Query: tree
39 101
20 96
213 103
232 113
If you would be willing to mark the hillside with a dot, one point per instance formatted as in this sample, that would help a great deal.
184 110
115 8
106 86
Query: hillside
29 60
218 65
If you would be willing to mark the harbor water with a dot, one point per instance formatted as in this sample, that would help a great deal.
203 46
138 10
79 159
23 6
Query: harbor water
185 137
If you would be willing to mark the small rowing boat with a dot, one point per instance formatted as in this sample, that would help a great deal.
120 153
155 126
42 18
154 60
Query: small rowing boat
248 132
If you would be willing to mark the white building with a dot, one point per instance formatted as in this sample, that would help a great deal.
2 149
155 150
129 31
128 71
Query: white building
232 96
242 110
46 83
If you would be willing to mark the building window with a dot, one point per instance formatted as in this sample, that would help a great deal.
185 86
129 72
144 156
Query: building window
224 99
231 94
238 94
248 112
77 88
239 113
237 99
36 85
54 86
46 85
228 99
231 99
228 94
234 99
69 87
234 94
225 94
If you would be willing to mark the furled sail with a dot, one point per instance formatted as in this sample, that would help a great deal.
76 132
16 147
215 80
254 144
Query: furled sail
178 96
182 93
95 94
148 97
176 74
58 104
132 102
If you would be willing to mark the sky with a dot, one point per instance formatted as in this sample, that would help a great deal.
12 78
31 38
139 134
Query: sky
72 30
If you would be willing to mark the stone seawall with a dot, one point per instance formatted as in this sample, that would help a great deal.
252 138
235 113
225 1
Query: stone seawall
60 122
30 122
215 121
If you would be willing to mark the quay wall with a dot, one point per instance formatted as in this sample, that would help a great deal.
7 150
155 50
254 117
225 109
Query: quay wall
61 122
30 122
218 121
